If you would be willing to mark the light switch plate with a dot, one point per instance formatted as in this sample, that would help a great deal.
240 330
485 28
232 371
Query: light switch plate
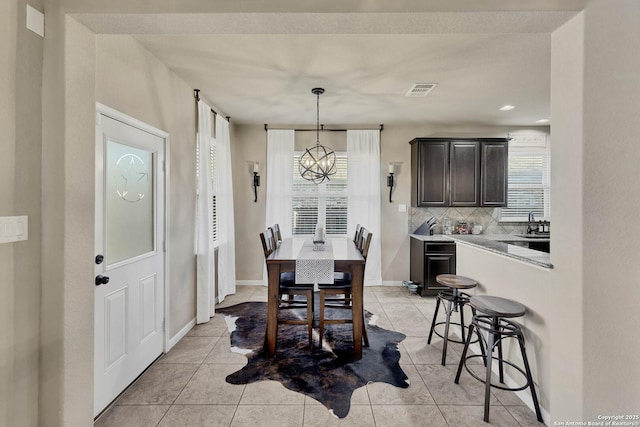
14 228
402 207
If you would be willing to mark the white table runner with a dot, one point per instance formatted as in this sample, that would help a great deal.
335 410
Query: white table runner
315 266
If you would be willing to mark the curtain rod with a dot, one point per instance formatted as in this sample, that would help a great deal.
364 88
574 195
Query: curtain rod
196 95
266 128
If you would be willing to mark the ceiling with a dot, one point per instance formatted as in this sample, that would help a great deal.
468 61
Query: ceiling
260 67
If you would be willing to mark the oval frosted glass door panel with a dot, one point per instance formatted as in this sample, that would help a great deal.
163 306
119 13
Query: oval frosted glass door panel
129 200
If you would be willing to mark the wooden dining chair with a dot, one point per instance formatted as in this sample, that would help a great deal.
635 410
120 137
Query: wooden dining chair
342 277
340 296
358 239
277 234
288 287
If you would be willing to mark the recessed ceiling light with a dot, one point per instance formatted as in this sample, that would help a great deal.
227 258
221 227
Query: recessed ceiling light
543 121
507 107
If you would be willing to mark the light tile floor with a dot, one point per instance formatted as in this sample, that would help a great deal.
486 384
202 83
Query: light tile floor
187 386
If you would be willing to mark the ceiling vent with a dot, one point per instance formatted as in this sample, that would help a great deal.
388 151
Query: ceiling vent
421 89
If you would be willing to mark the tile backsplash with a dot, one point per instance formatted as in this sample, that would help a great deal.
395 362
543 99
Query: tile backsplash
487 217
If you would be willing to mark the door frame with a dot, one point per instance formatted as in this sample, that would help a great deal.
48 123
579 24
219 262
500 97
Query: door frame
131 121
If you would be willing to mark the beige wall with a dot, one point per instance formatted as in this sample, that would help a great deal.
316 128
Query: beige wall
113 70
131 80
250 145
611 155
8 39
20 165
567 214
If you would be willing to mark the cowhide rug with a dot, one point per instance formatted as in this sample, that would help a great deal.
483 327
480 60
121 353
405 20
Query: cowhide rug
329 374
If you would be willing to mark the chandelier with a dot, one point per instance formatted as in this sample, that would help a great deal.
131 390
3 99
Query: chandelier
318 162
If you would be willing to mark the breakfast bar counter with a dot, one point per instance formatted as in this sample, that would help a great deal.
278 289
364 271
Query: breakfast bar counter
497 243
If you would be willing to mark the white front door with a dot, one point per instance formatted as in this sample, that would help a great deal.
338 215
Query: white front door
129 291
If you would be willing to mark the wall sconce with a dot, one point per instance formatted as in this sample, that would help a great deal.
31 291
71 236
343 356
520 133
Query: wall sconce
390 182
256 180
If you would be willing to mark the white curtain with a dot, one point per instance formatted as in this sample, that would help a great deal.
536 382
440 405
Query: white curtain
224 205
280 144
363 188
204 228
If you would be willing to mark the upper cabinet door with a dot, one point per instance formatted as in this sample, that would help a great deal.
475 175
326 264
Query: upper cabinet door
465 173
430 169
459 172
495 158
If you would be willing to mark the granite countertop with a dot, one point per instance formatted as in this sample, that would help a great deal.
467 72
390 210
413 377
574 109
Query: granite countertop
496 243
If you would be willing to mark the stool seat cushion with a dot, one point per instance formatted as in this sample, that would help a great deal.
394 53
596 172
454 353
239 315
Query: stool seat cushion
497 306
456 282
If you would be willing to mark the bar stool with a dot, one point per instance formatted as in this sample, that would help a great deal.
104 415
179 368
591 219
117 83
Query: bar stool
456 300
492 320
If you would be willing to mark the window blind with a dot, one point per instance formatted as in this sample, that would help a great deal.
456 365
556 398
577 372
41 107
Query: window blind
529 185
212 160
324 203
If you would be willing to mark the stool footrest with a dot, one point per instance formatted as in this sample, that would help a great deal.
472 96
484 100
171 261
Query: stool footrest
482 380
435 331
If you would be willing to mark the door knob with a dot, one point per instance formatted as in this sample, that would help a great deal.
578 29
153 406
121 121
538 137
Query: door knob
101 280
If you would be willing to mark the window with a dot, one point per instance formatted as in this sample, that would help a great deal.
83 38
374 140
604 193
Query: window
214 181
212 160
529 184
324 203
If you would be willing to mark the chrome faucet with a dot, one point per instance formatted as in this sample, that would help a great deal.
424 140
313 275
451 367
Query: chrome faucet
531 220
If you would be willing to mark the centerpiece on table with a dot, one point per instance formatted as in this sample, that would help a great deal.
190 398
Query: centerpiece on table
319 238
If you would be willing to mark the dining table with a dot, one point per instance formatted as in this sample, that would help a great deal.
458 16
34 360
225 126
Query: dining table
346 258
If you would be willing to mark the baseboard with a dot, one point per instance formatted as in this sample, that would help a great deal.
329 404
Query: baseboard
184 331
391 283
261 283
250 283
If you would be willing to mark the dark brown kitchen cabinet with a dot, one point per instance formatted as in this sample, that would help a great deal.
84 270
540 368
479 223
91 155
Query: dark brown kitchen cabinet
428 260
464 173
431 165
459 172
494 173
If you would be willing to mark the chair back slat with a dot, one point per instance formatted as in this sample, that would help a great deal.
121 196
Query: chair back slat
366 242
355 238
276 233
268 242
